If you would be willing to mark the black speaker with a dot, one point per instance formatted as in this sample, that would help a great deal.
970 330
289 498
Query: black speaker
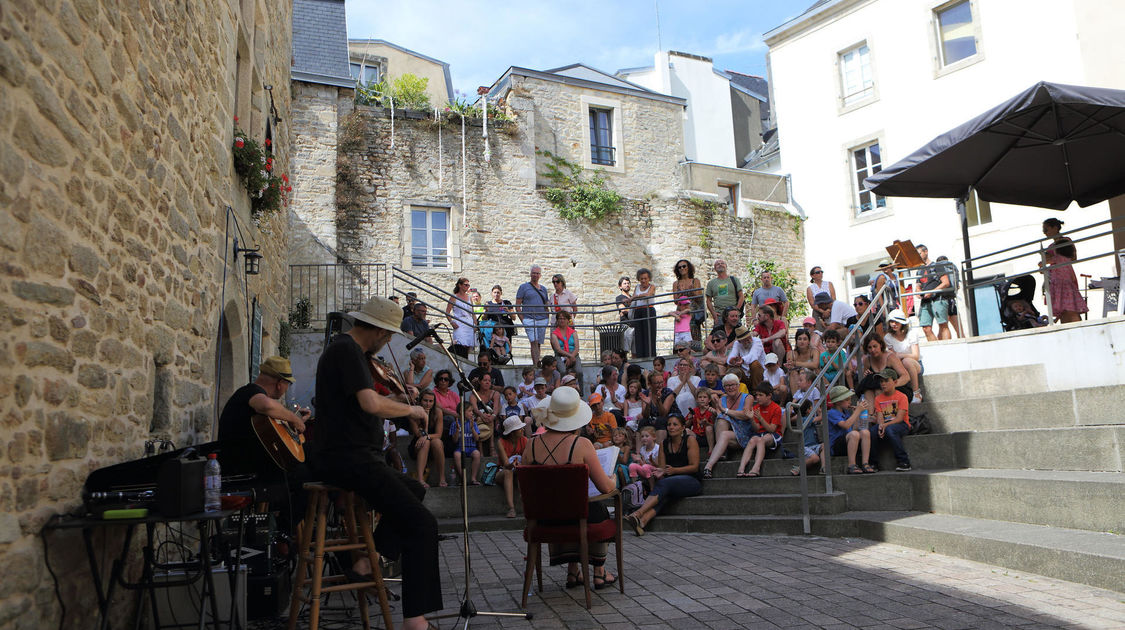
179 486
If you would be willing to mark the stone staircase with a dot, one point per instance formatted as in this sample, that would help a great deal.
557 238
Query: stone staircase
1013 475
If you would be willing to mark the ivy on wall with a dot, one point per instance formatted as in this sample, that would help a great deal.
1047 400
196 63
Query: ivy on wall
576 196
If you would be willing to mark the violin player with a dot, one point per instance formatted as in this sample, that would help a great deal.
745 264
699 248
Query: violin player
346 451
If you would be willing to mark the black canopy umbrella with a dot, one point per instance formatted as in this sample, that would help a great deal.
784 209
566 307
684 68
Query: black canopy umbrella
1048 146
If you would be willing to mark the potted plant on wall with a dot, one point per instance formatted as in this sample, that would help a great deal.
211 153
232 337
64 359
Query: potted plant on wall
255 165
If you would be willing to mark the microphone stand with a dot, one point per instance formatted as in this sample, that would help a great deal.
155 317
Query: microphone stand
467 609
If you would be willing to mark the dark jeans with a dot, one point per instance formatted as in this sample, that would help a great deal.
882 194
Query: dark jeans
407 527
675 487
893 434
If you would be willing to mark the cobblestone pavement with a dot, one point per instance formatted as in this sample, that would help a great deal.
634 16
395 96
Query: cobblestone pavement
726 581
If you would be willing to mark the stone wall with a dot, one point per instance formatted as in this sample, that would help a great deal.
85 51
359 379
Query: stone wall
508 225
312 215
115 178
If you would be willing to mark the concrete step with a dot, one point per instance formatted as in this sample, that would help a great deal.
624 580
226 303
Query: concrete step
986 383
1093 558
1092 501
1091 448
756 504
727 524
1088 406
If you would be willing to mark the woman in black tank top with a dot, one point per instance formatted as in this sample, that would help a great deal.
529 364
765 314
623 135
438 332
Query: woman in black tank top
677 472
560 444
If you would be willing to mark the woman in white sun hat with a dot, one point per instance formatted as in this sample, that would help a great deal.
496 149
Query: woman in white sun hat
563 414
903 341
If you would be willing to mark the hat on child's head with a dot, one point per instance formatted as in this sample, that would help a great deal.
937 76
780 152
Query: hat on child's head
539 380
569 378
513 423
897 316
771 359
889 373
839 393
808 320
595 399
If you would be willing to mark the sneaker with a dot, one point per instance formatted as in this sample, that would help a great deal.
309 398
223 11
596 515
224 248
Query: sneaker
903 468
917 399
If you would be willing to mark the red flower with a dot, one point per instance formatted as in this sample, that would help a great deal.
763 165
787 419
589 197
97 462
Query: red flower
239 143
285 178
236 119
268 143
288 189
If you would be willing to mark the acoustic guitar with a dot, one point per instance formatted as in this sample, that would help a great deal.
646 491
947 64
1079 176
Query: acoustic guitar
285 445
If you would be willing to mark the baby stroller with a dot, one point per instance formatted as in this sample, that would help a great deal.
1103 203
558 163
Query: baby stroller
1017 311
484 331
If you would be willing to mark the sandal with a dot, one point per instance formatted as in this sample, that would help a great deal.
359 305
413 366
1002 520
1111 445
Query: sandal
740 474
753 473
854 470
635 521
868 468
511 513
795 471
707 473
574 580
474 483
604 583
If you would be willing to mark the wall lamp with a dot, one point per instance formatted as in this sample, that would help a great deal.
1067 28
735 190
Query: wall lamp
251 257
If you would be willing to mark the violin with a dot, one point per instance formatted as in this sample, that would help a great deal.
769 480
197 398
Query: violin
386 376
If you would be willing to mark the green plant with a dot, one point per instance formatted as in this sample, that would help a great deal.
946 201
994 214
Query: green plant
798 305
284 338
300 316
407 91
268 191
705 210
797 226
576 196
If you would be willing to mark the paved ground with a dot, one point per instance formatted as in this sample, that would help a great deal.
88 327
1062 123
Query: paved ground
721 581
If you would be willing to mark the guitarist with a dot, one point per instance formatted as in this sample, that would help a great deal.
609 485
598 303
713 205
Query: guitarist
346 451
241 445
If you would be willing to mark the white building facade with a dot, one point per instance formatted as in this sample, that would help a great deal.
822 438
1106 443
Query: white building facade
859 84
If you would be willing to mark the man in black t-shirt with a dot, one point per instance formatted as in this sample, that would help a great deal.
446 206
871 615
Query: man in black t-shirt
346 451
263 396
484 366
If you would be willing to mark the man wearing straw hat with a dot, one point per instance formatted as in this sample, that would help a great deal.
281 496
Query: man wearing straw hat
346 451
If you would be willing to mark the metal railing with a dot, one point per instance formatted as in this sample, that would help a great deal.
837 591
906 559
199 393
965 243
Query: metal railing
851 345
317 290
1036 248
590 320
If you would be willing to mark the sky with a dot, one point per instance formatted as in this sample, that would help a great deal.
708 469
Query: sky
481 39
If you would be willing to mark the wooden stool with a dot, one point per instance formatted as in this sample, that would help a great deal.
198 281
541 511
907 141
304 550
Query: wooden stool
356 523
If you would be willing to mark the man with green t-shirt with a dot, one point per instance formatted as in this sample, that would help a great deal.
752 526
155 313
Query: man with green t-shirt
723 291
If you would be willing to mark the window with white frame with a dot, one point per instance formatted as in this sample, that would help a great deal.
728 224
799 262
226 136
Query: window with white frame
866 160
429 238
365 74
856 80
956 32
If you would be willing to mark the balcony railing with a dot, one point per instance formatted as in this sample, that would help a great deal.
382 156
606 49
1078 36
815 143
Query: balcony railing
316 290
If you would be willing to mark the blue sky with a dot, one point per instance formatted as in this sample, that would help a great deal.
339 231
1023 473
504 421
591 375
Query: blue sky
481 39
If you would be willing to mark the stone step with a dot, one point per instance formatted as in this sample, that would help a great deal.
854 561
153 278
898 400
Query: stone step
1092 448
1093 558
985 383
1092 501
1087 406
756 504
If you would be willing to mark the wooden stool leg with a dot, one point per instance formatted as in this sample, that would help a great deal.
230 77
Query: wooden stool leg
353 538
376 571
318 564
304 540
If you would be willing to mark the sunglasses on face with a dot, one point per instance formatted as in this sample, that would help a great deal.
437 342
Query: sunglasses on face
817 271
444 379
681 266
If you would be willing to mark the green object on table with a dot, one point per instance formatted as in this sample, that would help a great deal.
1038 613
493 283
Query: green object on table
110 515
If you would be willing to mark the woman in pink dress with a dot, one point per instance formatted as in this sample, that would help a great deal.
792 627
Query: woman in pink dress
1067 302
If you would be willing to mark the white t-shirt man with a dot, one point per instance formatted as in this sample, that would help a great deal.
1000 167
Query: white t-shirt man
685 399
611 402
749 349
841 313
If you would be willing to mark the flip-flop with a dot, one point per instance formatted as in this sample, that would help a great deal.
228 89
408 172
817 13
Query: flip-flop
633 520
474 483
604 582
753 474
740 474
796 472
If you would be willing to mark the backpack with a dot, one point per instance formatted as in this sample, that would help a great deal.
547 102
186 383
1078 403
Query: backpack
633 496
491 469
920 425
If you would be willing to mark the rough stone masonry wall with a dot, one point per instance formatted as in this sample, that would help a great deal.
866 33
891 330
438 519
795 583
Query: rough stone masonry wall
509 224
312 216
115 172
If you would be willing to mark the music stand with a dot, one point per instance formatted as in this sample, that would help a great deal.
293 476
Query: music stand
905 254
467 609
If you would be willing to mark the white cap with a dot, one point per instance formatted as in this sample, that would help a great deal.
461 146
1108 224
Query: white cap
770 358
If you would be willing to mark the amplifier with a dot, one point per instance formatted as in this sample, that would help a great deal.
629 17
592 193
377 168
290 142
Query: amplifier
267 596
181 604
179 487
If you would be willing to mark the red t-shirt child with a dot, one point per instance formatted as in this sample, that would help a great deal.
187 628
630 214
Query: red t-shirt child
698 419
778 326
888 406
771 414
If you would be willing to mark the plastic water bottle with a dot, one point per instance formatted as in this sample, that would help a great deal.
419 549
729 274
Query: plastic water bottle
212 485
863 418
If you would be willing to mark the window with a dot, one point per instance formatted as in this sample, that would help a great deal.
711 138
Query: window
429 238
977 210
866 161
859 277
601 137
956 32
855 74
728 193
369 74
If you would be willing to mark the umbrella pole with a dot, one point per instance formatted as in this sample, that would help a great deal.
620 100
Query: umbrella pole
970 293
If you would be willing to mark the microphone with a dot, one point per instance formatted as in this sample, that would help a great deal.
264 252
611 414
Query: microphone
420 338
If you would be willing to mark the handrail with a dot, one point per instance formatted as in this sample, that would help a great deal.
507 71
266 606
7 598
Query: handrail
872 314
1038 240
1040 243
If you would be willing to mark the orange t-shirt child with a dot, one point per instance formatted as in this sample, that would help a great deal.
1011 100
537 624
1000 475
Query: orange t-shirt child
888 406
601 427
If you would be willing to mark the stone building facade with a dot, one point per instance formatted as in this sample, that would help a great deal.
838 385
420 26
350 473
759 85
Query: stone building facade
124 312
499 220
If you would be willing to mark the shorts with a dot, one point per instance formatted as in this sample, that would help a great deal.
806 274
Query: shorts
660 424
468 452
776 439
936 309
536 329
812 450
682 337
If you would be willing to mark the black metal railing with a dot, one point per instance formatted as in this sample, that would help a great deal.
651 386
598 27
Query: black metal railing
317 290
